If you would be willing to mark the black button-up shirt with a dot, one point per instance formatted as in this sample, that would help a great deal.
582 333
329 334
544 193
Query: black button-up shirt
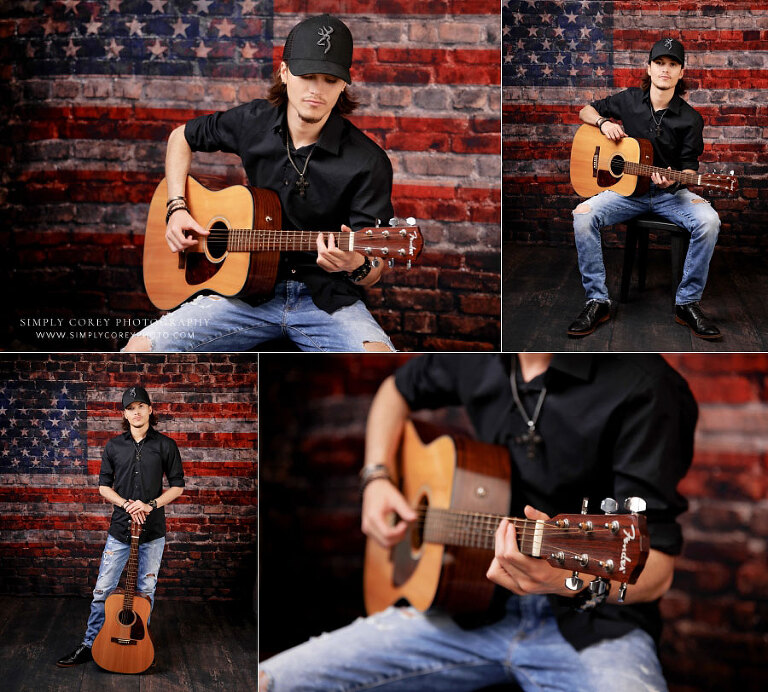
681 141
349 176
135 472
612 426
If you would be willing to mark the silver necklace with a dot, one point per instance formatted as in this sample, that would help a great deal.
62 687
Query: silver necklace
657 122
530 437
300 183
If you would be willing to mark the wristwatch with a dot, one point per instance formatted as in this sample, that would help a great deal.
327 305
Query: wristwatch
152 504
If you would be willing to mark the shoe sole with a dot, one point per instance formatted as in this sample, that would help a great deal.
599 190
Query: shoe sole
709 337
605 318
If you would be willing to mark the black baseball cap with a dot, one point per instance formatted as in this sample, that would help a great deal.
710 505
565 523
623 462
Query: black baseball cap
670 47
136 393
319 45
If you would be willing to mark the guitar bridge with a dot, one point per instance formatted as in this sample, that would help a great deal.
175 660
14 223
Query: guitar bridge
595 161
124 642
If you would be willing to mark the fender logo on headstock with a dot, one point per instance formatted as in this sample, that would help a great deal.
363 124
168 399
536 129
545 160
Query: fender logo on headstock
628 536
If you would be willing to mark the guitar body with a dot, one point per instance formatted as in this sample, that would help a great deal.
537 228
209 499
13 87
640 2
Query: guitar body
597 163
170 278
124 648
448 473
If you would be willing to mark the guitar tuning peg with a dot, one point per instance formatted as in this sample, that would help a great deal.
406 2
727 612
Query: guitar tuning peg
622 591
609 505
635 504
393 221
410 221
574 583
599 586
391 263
731 173
378 223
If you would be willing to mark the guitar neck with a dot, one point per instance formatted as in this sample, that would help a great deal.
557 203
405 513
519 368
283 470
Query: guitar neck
473 530
634 168
255 240
133 569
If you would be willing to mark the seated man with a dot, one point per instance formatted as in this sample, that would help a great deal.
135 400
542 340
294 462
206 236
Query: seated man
327 174
654 111
575 425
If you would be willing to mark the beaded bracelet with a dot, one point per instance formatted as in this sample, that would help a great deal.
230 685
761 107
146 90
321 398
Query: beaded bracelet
368 474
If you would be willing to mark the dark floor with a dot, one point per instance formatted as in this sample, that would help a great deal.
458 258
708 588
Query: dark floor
198 647
542 294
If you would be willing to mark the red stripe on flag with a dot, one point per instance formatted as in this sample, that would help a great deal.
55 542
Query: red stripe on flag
241 440
244 469
392 7
191 496
705 79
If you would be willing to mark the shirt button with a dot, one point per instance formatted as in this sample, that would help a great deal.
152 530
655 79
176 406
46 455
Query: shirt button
293 271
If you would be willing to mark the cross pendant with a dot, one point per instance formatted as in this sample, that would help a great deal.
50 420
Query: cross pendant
530 438
302 185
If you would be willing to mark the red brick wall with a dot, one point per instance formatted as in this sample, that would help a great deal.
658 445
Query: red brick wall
727 74
313 413
86 150
54 522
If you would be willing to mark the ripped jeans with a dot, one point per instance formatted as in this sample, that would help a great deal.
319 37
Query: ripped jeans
113 560
683 207
214 323
402 650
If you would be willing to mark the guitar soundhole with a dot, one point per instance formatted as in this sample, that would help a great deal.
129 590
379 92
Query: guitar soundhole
617 166
127 617
417 533
217 241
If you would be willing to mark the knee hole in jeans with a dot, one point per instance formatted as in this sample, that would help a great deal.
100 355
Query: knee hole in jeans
376 346
699 200
583 208
265 682
138 344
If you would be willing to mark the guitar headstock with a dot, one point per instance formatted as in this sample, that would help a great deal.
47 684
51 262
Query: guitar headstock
135 529
394 242
613 546
721 181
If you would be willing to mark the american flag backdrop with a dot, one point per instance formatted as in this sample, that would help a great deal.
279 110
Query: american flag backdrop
560 55
56 415
95 87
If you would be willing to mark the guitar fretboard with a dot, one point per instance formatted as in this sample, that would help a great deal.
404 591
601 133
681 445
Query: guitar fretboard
133 571
475 530
647 171
256 239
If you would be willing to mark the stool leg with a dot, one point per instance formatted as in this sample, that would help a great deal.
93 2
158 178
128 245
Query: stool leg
642 266
629 261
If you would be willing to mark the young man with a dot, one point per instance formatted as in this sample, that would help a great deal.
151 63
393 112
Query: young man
131 478
328 175
654 111
636 440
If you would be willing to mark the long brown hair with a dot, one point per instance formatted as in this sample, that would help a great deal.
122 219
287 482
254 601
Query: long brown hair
278 95
680 88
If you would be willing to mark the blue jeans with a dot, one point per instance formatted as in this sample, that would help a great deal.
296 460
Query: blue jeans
113 560
682 207
215 323
401 650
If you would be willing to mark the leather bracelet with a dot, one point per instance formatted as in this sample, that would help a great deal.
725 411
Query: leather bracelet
361 272
368 474
173 199
601 122
124 504
172 211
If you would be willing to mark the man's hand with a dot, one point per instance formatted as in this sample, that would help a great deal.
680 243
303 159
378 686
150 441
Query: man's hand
613 131
661 180
138 510
520 573
177 232
332 259
381 500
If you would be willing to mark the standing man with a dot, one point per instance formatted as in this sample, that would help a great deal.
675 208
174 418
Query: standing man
131 478
575 425
654 111
327 174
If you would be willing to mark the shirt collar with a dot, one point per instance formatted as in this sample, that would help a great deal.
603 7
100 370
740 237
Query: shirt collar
674 104
150 433
330 136
577 365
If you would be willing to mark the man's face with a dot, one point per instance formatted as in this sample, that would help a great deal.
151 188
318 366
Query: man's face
665 72
311 96
137 414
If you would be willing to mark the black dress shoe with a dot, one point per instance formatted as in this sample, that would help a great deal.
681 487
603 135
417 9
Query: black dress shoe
692 316
594 313
82 654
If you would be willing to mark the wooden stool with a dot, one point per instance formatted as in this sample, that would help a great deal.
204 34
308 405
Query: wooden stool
637 242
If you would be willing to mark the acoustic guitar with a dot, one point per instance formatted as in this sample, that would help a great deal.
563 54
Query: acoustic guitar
461 490
241 254
123 644
626 166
